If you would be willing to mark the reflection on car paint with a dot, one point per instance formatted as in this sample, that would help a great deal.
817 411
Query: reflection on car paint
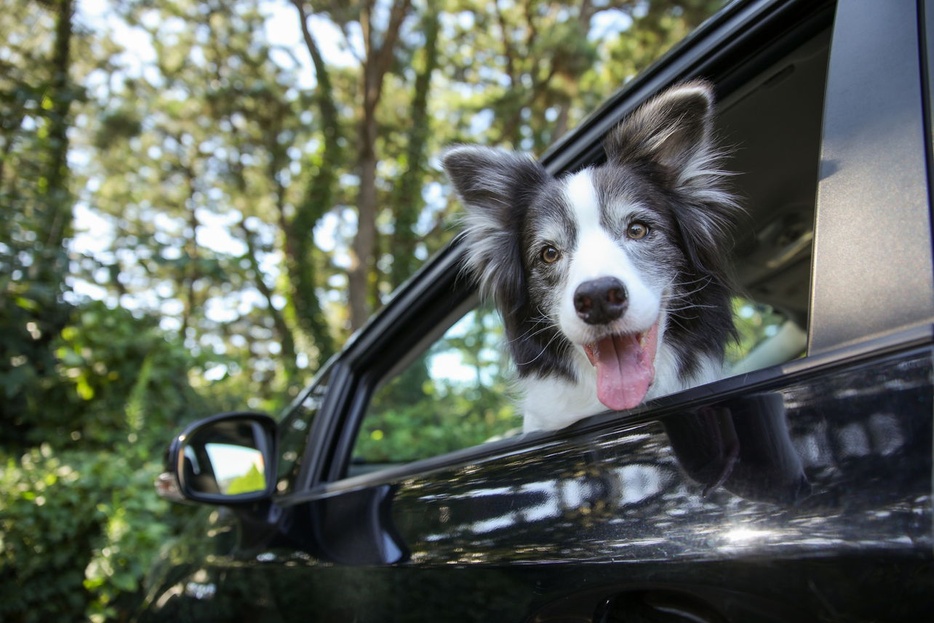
769 471
797 475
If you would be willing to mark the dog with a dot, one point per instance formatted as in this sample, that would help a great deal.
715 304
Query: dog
612 281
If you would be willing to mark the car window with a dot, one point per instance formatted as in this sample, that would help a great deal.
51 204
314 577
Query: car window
293 433
457 392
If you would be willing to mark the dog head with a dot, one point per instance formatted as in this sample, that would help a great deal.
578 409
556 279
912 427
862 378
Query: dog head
604 260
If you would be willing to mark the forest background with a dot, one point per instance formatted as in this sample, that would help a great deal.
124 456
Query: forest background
200 200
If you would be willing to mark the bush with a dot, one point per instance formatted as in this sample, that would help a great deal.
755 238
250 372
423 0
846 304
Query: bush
80 521
77 532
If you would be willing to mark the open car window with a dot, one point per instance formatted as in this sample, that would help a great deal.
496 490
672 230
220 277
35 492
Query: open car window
457 393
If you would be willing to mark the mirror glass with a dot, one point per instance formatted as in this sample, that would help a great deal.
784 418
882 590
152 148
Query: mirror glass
224 458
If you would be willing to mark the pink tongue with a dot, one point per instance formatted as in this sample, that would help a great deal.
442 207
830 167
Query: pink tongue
625 368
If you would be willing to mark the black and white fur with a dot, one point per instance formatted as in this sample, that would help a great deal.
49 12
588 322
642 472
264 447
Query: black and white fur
622 263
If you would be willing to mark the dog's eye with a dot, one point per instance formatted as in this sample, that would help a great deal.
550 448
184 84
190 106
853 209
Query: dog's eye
550 254
637 230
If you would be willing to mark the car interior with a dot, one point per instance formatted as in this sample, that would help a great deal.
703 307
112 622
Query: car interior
773 124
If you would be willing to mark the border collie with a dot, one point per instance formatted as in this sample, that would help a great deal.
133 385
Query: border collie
612 280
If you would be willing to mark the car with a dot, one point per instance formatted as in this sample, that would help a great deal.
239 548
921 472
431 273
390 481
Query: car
798 488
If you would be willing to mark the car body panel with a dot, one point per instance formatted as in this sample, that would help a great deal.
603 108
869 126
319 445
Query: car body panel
873 181
736 503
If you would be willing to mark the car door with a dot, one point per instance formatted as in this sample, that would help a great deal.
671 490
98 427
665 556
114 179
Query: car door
798 491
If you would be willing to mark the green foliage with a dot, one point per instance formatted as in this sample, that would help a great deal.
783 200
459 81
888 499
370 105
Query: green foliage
455 396
76 532
253 480
754 324
30 318
124 377
77 509
45 542
35 99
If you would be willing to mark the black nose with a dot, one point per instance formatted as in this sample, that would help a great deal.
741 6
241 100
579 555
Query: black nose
601 300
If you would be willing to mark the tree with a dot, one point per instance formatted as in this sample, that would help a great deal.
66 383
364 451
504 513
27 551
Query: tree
379 47
36 196
218 142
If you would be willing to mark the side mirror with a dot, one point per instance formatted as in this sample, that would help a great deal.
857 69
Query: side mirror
228 458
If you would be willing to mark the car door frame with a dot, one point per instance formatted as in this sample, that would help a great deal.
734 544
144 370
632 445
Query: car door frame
438 293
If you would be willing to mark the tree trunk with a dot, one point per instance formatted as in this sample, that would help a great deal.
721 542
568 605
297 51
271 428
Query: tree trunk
191 268
57 194
363 250
407 199
317 200
376 64
286 341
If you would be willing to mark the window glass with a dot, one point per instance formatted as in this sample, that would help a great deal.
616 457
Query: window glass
765 337
293 433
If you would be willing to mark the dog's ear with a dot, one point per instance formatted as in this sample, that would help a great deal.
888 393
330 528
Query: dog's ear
672 130
495 187
492 181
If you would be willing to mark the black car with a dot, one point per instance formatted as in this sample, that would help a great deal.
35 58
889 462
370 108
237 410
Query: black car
799 488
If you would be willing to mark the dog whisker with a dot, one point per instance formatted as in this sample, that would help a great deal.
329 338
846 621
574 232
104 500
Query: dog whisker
533 331
541 352
707 281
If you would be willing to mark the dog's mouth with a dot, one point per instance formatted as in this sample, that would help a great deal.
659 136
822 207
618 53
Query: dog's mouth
625 367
